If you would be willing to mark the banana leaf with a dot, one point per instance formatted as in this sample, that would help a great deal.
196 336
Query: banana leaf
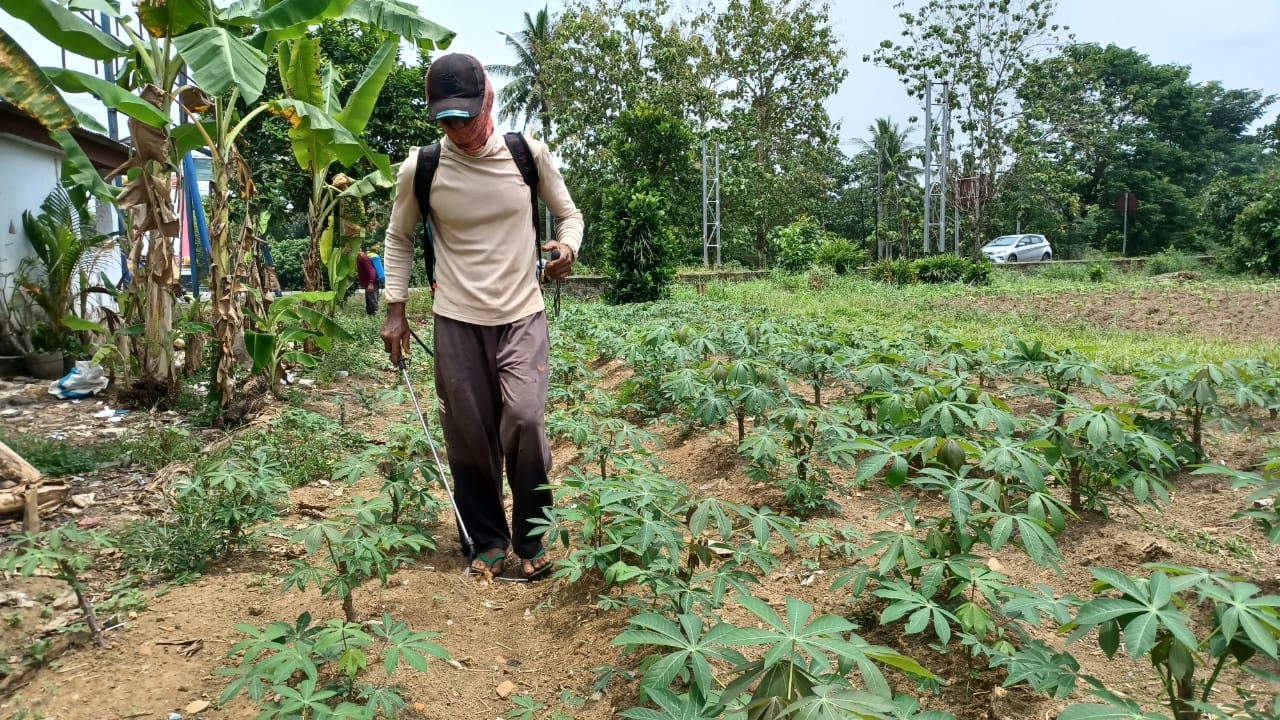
23 84
78 170
401 19
364 98
111 95
171 18
219 60
65 29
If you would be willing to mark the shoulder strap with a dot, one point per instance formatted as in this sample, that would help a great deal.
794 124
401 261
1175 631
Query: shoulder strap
523 157
424 174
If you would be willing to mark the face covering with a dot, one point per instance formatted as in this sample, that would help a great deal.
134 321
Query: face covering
472 137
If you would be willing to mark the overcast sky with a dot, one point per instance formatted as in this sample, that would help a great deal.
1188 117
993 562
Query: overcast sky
1236 42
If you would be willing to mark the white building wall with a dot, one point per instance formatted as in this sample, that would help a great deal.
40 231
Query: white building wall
28 172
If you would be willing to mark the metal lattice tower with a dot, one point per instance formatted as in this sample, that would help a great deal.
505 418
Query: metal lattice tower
710 204
937 118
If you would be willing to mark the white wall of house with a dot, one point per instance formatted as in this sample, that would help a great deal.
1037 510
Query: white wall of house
28 172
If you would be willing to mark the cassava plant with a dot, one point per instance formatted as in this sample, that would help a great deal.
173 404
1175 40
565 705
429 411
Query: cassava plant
1152 615
322 670
1195 391
795 445
402 458
1102 453
721 389
355 545
235 494
65 553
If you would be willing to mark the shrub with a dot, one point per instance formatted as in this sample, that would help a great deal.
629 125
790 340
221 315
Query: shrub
946 269
305 445
641 249
820 277
154 449
840 255
177 547
1170 260
1097 272
978 273
1255 243
796 245
893 272
1072 272
940 268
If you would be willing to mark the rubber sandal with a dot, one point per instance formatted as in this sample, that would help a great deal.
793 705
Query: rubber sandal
537 571
493 563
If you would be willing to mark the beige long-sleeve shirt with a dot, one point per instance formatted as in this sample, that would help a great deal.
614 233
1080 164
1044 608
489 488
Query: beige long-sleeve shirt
482 223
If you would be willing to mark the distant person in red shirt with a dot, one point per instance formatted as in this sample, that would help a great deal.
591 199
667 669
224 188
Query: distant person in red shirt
367 278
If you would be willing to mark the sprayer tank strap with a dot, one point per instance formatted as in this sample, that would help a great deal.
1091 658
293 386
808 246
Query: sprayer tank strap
425 174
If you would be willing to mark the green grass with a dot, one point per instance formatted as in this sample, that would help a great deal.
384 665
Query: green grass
904 309
56 458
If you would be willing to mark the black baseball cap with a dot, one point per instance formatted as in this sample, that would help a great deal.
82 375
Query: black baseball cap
455 87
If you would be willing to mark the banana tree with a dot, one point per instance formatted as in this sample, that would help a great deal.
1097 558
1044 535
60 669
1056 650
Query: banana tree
324 132
280 335
227 74
173 35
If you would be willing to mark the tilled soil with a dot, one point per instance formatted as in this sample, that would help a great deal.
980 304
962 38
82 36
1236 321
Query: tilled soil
547 637
1199 309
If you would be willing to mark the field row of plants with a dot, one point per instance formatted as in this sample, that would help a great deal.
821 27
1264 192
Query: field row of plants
972 449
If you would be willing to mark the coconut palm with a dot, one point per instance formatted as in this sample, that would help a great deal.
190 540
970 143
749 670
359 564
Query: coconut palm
895 173
524 98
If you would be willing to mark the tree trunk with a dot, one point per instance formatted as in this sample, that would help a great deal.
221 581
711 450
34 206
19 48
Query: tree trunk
86 607
880 248
159 282
14 501
312 275
1074 478
148 201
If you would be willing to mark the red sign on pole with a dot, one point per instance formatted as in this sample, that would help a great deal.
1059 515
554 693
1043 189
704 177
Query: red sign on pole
1128 202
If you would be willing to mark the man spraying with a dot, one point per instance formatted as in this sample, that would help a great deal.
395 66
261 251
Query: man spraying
491 342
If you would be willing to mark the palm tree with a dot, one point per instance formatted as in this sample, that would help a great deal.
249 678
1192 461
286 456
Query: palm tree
526 95
66 244
895 175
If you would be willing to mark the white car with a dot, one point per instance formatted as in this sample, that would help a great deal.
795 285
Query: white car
1018 248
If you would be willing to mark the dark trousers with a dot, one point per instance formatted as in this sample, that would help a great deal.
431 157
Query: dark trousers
371 299
492 385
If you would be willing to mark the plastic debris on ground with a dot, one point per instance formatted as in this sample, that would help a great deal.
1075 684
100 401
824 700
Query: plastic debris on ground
84 380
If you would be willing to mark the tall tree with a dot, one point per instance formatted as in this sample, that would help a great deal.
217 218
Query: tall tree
1118 123
895 178
781 60
609 57
524 99
984 48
